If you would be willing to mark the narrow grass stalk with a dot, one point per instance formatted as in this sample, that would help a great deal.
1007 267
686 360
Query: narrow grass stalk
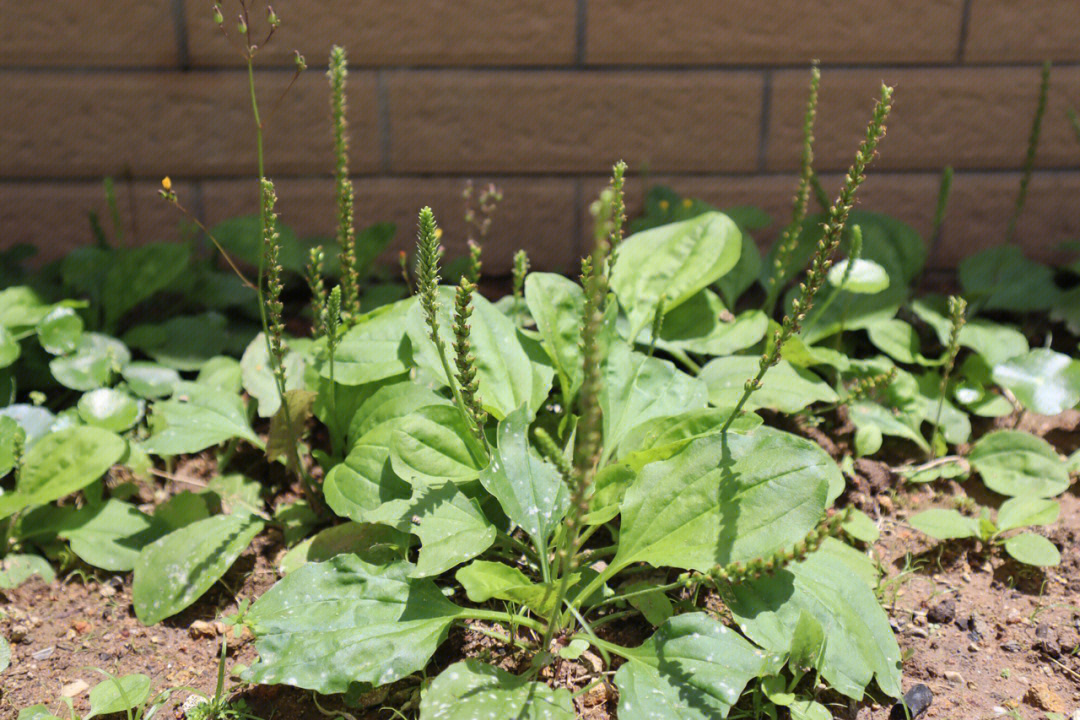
823 257
957 318
790 237
1032 149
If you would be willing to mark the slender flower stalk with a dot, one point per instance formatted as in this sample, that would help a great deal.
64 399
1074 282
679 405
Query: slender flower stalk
658 322
957 318
618 211
827 246
464 359
789 239
330 320
314 277
346 230
428 255
589 436
1032 149
520 270
476 264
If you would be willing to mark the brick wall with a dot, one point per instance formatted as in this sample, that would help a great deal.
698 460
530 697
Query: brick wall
540 96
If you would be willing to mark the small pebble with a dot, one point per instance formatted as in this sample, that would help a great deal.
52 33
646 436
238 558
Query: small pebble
943 612
74 689
953 678
915 702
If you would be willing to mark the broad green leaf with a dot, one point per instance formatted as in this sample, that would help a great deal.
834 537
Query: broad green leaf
529 489
9 347
175 571
703 325
1024 511
945 524
996 343
654 605
861 527
450 526
662 437
472 689
66 461
785 387
739 279
110 409
434 446
807 643
725 498
92 363
859 644
1044 381
257 374
375 544
5 654
506 376
15 569
8 430
242 238
36 712
637 388
183 508
373 349
332 624
116 695
675 261
150 380
484 580
940 471
1032 549
871 416
182 343
376 415
692 668
1067 310
137 273
865 277
898 340
557 305
197 417
221 372
288 425
1001 278
59 332
1019 464
21 308
296 519
109 536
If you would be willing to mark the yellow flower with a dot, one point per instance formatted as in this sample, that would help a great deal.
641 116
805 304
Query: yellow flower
166 183
438 233
687 203
664 204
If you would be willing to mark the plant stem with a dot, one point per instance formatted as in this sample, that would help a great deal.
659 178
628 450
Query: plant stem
500 617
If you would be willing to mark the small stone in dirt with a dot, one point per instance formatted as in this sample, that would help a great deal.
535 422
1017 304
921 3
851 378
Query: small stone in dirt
44 653
192 702
19 634
155 639
107 591
80 626
597 695
74 689
915 631
953 678
1011 647
201 629
915 702
943 612
1048 643
1043 698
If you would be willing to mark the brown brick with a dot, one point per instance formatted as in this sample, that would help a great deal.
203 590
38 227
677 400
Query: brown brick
1029 31
536 214
182 124
773 32
982 204
967 118
53 216
401 32
102 33
573 121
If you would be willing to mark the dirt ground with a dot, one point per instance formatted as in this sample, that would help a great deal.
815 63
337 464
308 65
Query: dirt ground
989 637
